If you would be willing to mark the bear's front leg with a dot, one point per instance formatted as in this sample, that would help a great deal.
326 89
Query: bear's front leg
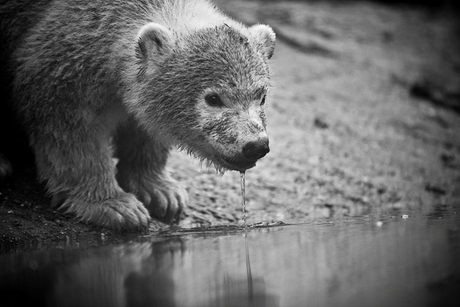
79 170
142 171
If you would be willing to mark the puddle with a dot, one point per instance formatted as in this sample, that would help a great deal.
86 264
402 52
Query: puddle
405 260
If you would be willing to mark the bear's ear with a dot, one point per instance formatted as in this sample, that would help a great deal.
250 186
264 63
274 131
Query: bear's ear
154 44
264 37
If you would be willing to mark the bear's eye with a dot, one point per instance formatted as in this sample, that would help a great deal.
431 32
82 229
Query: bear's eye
213 100
262 102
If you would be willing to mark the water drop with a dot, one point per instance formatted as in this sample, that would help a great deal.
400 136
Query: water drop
243 195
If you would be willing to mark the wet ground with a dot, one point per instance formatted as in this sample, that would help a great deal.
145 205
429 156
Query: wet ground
364 130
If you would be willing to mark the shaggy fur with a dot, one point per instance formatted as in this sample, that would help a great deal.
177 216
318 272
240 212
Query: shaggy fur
94 80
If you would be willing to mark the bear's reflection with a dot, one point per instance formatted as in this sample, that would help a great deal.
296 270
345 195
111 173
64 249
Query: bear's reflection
162 273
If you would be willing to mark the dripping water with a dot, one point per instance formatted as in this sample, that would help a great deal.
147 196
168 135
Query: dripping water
246 247
243 195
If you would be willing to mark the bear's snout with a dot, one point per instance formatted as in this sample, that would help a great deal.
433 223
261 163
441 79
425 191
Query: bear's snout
255 150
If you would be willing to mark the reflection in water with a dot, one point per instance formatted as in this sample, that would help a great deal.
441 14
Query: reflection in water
390 261
248 268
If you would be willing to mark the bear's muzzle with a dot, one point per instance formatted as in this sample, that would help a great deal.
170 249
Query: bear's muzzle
255 150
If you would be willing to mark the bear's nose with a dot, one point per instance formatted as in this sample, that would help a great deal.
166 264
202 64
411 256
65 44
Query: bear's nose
256 149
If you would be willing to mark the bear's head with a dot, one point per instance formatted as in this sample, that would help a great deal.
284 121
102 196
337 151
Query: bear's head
206 91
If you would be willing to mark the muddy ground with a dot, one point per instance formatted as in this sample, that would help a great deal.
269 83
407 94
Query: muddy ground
363 119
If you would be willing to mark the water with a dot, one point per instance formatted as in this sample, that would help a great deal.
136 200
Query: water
246 247
243 196
248 269
385 260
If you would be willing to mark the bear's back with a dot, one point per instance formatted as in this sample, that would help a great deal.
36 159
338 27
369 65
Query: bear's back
74 26
98 38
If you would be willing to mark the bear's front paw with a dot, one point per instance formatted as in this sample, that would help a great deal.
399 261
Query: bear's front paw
163 197
123 212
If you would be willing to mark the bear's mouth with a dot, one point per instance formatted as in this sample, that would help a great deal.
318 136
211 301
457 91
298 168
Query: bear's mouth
237 164
224 162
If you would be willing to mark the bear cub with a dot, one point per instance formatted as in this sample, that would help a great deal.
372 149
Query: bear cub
104 89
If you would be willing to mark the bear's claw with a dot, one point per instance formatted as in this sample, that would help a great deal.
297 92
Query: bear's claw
121 213
168 201
164 197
